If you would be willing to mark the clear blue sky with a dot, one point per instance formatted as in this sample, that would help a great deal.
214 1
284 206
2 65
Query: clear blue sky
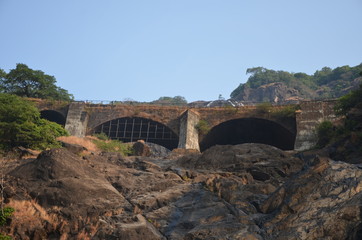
143 49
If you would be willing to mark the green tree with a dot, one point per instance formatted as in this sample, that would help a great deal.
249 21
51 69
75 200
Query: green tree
2 79
177 100
21 125
26 82
330 83
325 132
349 101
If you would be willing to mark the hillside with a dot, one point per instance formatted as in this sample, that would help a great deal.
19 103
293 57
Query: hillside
265 85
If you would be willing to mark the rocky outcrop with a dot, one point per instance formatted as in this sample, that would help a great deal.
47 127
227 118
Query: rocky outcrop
274 92
247 191
322 202
141 149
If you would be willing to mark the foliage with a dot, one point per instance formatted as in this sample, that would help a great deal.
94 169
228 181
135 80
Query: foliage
264 108
285 112
231 109
177 101
2 237
113 146
5 215
101 136
330 82
26 82
21 125
325 132
202 127
348 101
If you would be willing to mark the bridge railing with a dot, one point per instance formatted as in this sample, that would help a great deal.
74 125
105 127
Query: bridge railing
197 104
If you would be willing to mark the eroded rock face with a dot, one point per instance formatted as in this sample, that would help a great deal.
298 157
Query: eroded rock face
274 92
247 191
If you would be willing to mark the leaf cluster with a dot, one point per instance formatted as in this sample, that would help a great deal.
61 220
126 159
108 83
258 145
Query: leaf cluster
26 82
21 125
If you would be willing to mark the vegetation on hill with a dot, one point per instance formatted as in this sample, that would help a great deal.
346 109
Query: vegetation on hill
177 101
345 139
26 82
324 83
21 125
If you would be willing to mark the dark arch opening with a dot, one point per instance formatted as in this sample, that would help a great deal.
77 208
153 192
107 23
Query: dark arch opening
53 116
129 129
249 130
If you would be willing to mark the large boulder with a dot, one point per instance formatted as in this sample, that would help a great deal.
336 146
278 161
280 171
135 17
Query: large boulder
140 148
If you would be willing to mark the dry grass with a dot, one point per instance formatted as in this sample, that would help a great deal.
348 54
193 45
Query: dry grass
31 215
85 142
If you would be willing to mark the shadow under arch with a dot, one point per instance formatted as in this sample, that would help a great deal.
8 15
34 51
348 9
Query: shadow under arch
131 129
249 130
53 116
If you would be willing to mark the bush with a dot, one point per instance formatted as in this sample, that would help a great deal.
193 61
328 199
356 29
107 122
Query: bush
5 215
202 127
21 125
286 111
2 237
349 101
101 136
264 108
113 146
325 132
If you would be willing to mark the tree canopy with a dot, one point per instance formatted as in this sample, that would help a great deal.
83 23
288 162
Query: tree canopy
26 82
21 125
177 100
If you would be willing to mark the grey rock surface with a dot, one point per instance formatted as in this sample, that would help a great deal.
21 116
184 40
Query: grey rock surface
247 191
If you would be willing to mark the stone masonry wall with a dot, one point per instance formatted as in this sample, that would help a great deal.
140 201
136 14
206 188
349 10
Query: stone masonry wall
189 136
311 114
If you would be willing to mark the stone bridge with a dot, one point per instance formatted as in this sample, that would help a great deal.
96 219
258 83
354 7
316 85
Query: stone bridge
194 128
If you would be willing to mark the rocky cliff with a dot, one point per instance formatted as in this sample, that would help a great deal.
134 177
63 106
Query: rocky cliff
265 85
248 191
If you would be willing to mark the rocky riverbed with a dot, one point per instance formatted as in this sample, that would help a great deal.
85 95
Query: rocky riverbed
247 191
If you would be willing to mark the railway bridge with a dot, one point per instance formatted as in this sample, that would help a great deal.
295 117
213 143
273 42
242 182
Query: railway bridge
194 128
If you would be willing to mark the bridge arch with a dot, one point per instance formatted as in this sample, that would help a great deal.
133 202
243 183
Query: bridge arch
53 116
249 130
131 129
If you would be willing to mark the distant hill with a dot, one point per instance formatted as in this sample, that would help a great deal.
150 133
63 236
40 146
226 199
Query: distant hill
265 85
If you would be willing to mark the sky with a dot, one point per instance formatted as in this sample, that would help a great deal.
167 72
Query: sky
198 49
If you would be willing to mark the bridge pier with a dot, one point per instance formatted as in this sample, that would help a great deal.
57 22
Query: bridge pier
312 113
77 119
189 136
